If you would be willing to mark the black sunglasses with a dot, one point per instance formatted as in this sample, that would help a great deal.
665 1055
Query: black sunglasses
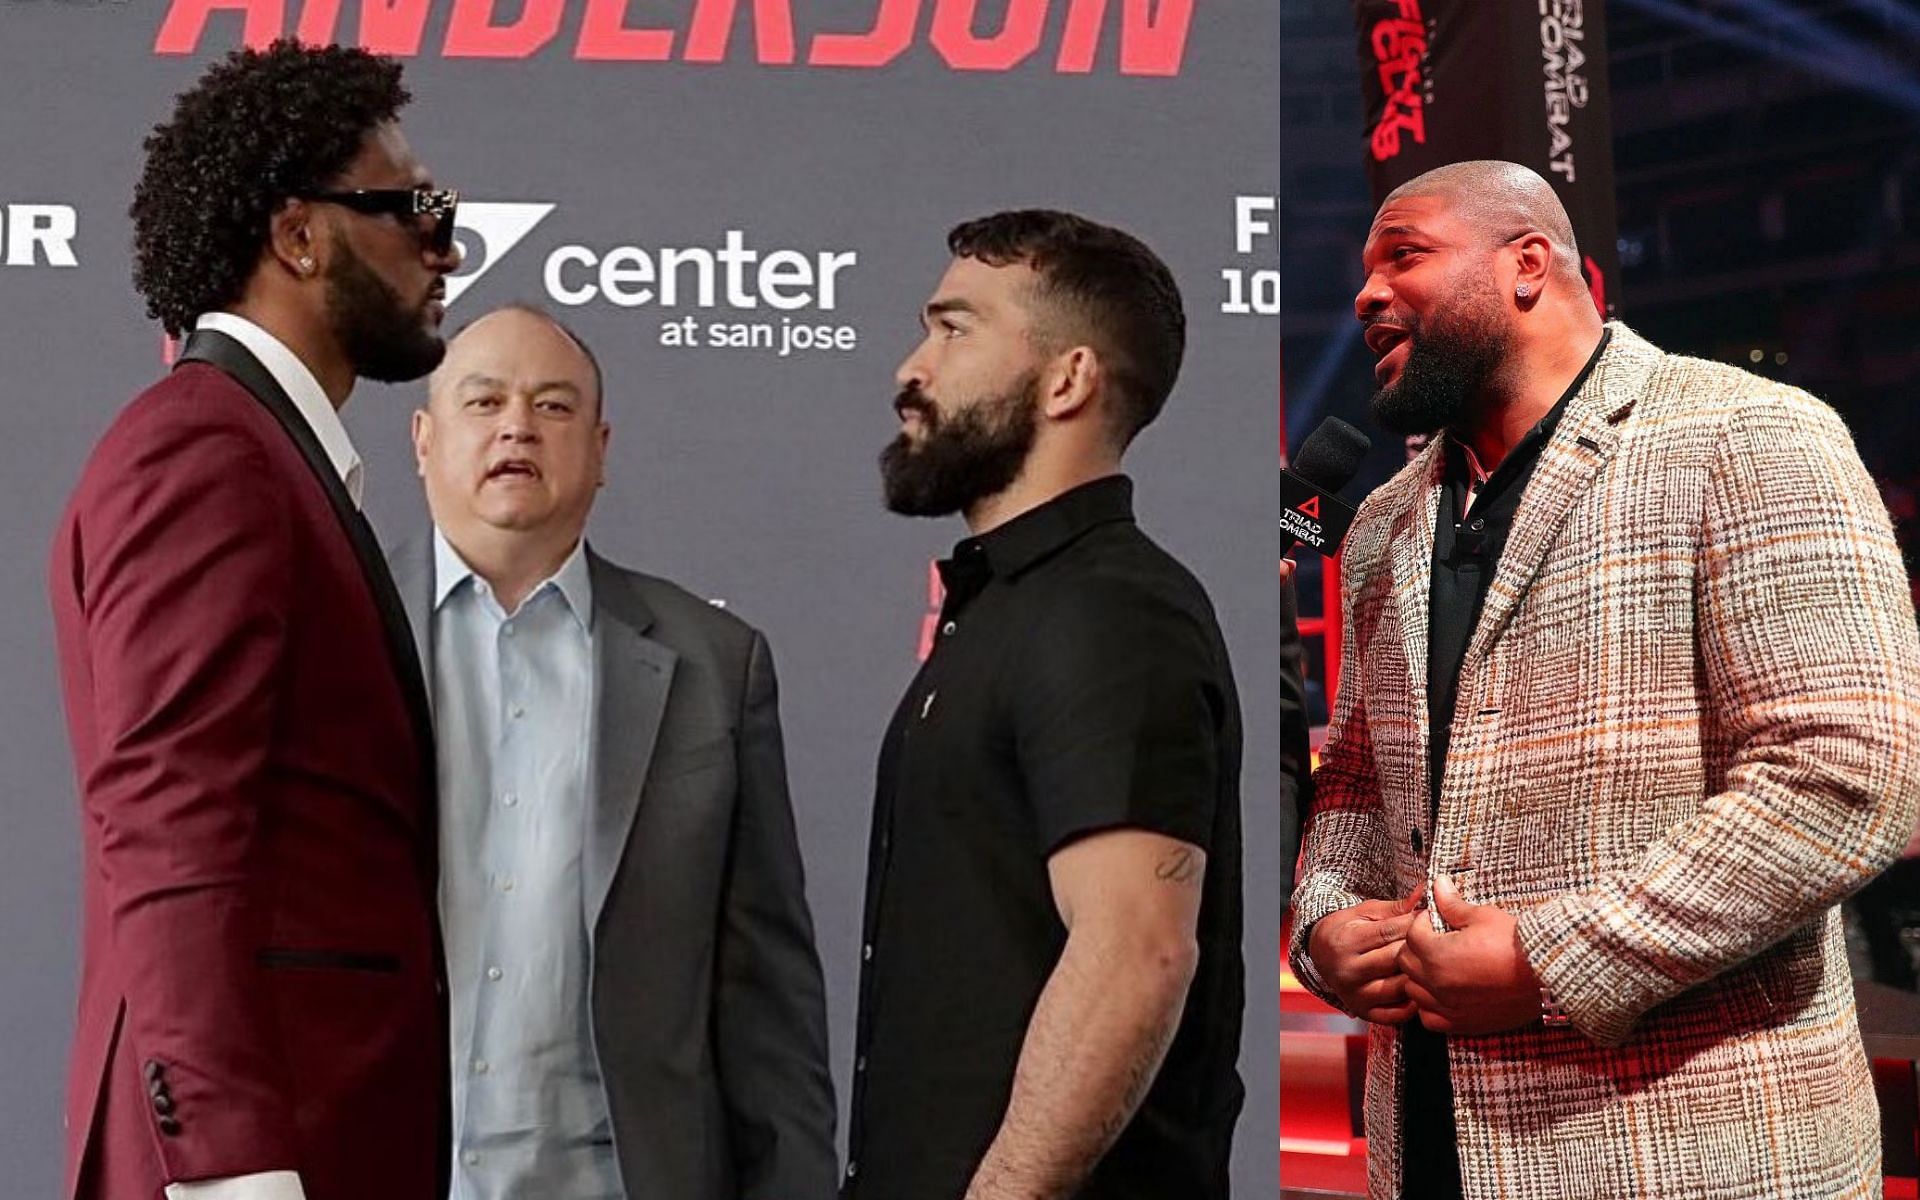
437 203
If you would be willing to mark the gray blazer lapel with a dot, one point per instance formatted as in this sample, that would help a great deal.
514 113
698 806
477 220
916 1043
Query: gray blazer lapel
1582 443
411 564
633 675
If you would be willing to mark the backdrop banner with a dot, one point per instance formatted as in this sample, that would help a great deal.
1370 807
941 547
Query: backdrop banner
740 207
1521 80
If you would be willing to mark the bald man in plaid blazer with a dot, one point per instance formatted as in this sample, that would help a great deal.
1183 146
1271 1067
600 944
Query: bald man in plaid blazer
1687 725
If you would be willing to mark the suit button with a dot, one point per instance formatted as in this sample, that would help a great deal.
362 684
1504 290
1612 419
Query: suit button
1416 840
169 1126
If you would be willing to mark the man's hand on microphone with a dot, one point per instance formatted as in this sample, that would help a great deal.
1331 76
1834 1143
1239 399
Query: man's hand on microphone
1357 952
1472 978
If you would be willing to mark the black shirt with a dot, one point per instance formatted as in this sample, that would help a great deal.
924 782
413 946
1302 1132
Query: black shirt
1078 683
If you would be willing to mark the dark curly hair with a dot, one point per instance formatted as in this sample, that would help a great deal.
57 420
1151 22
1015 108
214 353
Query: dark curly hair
260 126
1106 286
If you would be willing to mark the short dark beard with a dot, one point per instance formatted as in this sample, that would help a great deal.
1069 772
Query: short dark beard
382 340
1449 364
960 459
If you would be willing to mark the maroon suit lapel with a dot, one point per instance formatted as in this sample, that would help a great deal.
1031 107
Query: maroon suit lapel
223 352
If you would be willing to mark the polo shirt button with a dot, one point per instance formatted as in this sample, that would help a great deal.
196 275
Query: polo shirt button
853 1168
947 629
866 952
471 1158
169 1126
860 1065
1479 523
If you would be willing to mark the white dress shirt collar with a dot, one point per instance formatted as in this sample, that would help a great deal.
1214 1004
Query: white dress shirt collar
301 387
573 580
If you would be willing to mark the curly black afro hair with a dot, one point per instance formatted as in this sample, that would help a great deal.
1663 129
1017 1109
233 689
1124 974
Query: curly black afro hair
259 127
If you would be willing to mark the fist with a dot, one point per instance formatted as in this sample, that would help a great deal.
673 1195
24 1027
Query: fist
1357 952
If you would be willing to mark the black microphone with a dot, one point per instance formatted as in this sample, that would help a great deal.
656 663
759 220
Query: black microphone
1310 514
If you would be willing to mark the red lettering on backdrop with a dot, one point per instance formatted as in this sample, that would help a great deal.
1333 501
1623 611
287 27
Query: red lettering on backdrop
889 38
317 20
187 19
387 26
1596 284
1400 49
713 22
1018 38
604 36
472 33
1153 36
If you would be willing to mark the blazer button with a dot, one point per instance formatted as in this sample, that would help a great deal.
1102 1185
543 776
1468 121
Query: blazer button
169 1126
1415 840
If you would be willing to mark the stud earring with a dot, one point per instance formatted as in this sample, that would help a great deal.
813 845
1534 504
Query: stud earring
306 264
1521 291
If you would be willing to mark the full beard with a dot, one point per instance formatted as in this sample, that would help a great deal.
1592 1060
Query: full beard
384 341
960 459
1449 365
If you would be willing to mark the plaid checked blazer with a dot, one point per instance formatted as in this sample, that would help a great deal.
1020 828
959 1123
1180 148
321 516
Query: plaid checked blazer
1688 725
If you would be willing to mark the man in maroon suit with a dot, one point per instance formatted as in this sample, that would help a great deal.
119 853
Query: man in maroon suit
261 1002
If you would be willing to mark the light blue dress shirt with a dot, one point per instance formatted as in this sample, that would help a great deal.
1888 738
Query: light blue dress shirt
513 698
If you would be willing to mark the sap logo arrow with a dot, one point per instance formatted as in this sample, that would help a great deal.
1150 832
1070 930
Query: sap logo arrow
485 231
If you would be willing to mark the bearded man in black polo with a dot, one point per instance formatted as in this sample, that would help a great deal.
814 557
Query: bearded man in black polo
1051 991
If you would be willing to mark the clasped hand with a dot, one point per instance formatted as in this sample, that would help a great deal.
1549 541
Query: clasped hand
1386 963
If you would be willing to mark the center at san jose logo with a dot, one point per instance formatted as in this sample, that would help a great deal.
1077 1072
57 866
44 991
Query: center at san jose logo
745 295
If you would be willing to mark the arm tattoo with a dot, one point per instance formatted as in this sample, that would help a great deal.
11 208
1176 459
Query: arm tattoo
1181 868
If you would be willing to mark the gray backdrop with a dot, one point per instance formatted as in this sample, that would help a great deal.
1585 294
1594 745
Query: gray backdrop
744 474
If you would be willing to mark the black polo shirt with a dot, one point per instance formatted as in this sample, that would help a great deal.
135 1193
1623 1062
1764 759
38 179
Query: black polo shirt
1078 683
1467 544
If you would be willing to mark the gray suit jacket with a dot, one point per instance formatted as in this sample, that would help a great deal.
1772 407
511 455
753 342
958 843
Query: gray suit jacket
709 1013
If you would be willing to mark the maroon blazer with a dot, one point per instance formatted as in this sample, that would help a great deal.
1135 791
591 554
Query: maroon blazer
262 986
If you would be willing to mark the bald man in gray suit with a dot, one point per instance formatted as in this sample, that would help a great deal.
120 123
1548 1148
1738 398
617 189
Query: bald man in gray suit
637 1005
